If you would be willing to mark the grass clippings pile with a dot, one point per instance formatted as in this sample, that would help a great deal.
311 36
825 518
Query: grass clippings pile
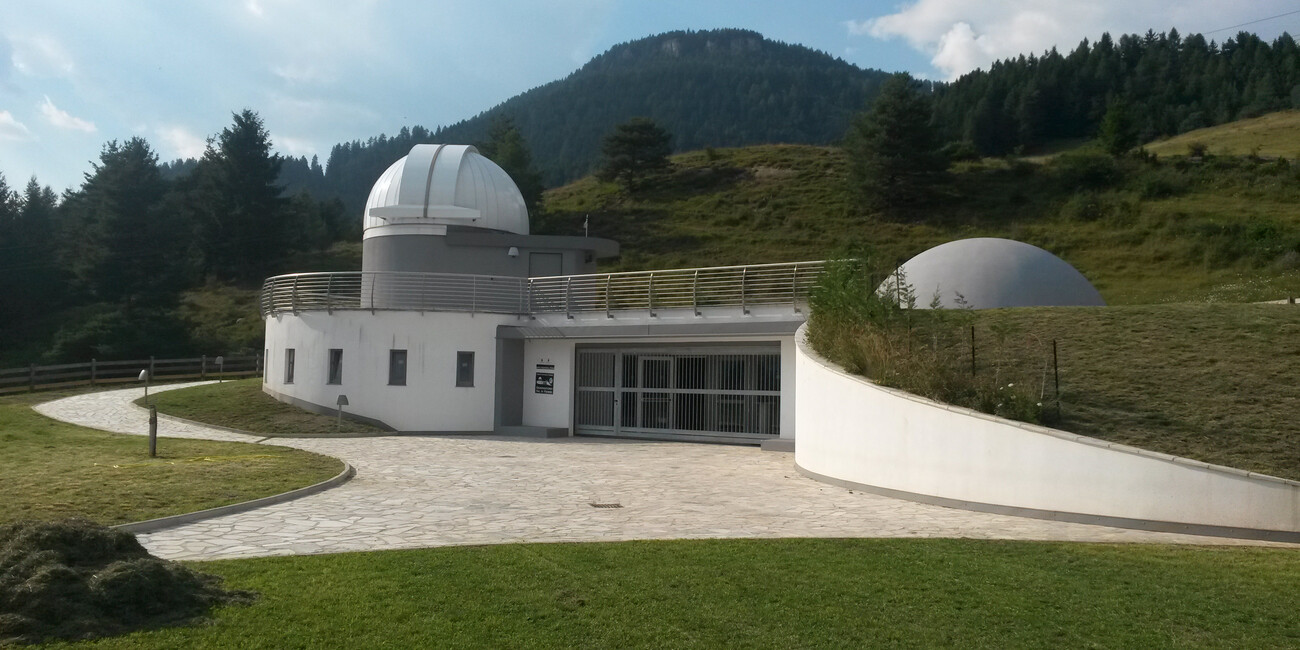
74 579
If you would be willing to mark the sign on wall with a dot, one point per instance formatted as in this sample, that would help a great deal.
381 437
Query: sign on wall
544 383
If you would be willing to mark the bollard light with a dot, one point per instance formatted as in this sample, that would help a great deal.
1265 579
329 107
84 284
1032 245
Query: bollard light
144 377
221 368
340 402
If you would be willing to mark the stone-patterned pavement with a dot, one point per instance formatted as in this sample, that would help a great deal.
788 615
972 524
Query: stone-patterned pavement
438 491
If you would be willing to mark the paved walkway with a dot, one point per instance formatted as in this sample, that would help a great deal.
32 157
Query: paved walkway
438 491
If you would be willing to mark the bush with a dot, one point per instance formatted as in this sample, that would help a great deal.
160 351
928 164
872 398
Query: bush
75 579
1085 170
872 328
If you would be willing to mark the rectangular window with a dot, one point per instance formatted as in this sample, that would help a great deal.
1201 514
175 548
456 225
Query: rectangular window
266 365
336 366
397 367
464 369
288 366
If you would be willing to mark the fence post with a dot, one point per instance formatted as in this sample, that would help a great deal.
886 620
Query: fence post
1056 378
203 367
258 361
151 375
93 372
31 377
972 350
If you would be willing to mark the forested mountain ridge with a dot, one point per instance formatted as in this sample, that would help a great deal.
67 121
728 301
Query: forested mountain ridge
1168 84
715 88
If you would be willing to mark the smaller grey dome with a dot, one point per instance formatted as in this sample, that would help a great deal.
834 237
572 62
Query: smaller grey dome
988 272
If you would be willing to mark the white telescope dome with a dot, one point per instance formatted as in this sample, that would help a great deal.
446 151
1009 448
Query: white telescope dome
444 185
988 273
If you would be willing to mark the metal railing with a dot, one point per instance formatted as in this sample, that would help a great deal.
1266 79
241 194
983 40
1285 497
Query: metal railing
65 375
719 286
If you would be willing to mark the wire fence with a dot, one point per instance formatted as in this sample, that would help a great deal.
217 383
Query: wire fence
66 375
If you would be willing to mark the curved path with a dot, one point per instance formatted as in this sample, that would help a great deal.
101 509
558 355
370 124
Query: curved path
438 491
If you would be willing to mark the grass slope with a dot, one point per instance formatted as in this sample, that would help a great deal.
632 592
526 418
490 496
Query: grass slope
1142 233
1272 135
54 470
1209 382
759 593
242 405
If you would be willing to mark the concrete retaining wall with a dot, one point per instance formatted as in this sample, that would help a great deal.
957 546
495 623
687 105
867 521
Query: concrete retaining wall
854 432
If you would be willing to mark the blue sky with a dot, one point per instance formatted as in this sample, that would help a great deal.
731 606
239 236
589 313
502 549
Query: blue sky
75 74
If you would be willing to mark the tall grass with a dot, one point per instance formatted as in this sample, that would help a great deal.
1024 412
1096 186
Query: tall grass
868 322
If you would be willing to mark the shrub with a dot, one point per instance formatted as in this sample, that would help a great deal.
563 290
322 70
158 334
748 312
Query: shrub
1085 170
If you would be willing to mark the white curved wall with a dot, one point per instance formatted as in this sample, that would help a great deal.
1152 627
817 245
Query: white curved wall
853 431
431 340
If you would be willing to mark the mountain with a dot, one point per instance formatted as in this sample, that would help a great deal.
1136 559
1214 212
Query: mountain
720 88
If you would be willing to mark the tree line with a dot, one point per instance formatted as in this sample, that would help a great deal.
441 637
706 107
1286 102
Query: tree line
1170 85
112 257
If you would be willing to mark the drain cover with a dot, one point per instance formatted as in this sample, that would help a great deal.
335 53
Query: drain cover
607 505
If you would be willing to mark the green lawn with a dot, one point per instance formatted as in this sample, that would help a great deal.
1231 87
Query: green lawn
1271 135
242 405
53 470
759 593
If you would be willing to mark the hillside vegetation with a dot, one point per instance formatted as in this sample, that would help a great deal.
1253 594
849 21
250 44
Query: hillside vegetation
1276 135
1143 232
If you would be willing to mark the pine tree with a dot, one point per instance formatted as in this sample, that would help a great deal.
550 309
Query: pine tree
237 199
893 154
634 151
1118 131
506 147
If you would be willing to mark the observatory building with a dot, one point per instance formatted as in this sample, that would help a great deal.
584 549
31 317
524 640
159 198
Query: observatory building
461 321
988 273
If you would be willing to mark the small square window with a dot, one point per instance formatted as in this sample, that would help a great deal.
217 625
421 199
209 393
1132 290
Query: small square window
464 369
397 367
336 366
288 366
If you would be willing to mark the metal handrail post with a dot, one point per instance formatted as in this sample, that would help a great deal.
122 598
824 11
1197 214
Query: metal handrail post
794 289
650 294
695 293
473 295
293 295
329 295
608 279
568 296
744 273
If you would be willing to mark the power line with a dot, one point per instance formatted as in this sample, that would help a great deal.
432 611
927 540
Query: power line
1224 29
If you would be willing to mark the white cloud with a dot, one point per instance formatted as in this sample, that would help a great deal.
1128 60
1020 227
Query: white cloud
12 129
180 142
295 147
963 35
62 119
41 56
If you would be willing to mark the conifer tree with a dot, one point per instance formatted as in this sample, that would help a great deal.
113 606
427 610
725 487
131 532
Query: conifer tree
893 154
506 147
634 151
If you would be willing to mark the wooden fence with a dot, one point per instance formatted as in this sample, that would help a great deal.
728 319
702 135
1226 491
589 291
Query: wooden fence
63 375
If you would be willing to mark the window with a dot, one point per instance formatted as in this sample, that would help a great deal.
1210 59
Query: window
288 366
266 364
336 366
464 369
397 367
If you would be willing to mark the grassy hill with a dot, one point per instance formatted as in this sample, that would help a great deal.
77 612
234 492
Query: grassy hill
1143 232
1271 136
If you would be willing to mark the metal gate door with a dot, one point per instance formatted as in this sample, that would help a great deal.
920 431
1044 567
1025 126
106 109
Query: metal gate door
715 395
